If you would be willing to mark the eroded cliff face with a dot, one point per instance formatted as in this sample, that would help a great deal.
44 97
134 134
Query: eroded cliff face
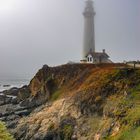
82 102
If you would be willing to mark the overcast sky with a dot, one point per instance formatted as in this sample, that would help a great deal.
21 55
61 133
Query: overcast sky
37 32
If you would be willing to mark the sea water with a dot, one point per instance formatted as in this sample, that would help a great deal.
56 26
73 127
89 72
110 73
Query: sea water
10 83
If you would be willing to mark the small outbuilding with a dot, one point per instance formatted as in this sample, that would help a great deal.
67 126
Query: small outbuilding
98 57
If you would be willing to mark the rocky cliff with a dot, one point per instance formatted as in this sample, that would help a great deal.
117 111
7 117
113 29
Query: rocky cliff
80 102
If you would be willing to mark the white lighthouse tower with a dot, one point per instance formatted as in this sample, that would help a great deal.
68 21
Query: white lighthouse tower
89 32
89 53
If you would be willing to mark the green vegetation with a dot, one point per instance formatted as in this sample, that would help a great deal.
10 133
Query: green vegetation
129 109
4 135
127 134
55 95
66 132
132 134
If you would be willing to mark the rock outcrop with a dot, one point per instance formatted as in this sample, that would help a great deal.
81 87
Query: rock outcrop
77 102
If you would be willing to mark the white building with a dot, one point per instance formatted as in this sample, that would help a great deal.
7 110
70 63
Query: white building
98 57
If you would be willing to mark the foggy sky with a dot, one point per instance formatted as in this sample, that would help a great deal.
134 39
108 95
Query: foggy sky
37 32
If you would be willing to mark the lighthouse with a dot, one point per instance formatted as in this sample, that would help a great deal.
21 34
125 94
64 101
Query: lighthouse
90 55
89 31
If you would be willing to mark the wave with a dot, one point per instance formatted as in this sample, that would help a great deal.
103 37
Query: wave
6 85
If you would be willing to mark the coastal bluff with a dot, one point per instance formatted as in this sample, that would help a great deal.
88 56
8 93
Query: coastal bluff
76 102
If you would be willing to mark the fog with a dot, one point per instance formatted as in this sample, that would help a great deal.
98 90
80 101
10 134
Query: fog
38 32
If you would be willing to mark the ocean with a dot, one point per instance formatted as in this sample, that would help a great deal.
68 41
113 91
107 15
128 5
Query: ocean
7 84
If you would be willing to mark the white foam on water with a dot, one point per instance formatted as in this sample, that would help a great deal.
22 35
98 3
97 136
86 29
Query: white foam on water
10 96
12 83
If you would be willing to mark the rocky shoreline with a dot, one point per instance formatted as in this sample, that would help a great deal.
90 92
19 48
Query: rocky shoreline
74 102
11 108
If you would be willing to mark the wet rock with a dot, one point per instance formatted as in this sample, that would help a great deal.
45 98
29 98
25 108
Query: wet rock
13 91
15 101
52 136
23 93
20 134
6 85
12 124
23 112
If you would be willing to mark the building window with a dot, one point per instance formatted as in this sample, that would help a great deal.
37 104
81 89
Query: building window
90 59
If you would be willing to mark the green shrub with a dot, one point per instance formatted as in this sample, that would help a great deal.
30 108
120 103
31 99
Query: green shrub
55 95
4 135
67 132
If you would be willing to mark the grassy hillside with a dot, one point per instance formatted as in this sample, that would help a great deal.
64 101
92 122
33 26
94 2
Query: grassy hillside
4 135
125 108
129 116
